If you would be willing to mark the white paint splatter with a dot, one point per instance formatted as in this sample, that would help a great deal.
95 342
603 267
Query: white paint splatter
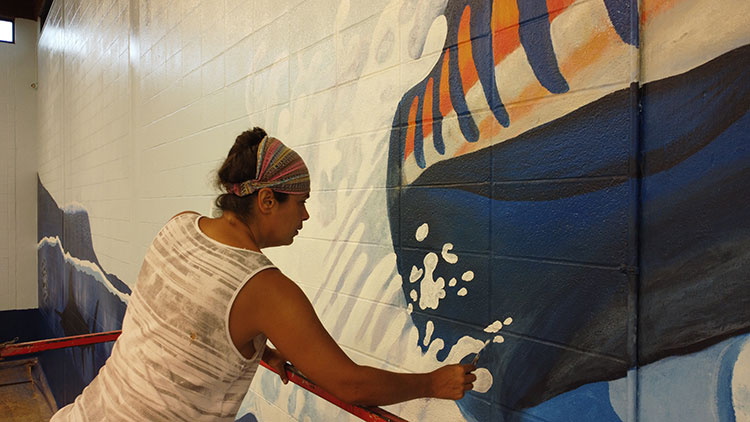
508 321
498 339
422 232
410 308
416 274
484 380
452 282
494 327
431 291
428 332
413 295
450 258
462 292
467 276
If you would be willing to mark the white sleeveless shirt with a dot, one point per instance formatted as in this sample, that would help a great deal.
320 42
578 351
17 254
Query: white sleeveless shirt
175 360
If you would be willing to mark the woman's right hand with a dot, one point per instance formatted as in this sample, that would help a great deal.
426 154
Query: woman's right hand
452 381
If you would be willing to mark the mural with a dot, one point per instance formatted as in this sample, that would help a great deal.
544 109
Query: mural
76 296
580 219
561 180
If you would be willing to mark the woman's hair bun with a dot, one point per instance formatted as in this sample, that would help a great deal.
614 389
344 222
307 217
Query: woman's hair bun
248 139
238 167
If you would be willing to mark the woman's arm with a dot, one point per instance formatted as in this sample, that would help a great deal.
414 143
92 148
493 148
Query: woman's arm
272 304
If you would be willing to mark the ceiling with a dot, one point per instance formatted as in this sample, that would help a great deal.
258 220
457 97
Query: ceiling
24 9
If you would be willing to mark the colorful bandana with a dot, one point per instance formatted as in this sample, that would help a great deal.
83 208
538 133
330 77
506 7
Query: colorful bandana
278 168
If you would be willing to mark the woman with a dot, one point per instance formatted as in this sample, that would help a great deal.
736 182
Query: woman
206 300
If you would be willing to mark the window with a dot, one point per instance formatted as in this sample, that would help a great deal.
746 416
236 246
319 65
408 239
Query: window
6 31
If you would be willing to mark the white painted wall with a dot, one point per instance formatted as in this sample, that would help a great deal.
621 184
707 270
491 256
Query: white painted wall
18 112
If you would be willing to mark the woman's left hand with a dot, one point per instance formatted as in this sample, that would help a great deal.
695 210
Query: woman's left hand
277 361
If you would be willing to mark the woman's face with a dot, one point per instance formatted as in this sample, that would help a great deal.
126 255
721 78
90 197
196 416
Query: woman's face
288 218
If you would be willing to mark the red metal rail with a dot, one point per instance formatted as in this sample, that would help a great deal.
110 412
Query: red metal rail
370 414
17 349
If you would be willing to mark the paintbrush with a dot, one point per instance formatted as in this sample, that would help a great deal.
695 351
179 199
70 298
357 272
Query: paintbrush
476 358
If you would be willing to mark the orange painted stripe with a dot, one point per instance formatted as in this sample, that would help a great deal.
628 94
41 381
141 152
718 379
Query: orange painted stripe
468 70
411 129
504 28
555 7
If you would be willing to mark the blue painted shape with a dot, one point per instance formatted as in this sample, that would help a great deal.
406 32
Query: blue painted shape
588 403
534 33
437 122
624 17
484 62
419 135
468 127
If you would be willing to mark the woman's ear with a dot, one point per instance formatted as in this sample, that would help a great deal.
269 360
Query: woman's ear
266 200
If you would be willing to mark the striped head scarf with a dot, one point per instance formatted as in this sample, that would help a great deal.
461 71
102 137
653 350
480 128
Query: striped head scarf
278 168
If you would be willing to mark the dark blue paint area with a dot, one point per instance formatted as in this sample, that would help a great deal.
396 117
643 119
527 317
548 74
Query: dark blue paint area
247 417
696 208
576 222
534 33
560 223
73 297
438 205
624 17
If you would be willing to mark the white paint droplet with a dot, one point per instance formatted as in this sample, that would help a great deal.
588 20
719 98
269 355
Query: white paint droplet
416 274
484 380
494 327
508 321
450 258
409 308
428 332
431 291
467 276
422 232
452 282
413 295
462 292
498 339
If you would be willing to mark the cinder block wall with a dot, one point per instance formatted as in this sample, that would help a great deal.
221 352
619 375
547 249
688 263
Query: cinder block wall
564 179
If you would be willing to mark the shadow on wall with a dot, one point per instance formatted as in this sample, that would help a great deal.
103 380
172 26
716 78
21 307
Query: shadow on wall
541 224
76 295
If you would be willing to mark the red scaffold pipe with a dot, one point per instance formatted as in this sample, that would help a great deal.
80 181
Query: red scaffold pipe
370 414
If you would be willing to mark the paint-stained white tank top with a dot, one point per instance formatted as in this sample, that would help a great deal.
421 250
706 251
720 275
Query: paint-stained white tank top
175 360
